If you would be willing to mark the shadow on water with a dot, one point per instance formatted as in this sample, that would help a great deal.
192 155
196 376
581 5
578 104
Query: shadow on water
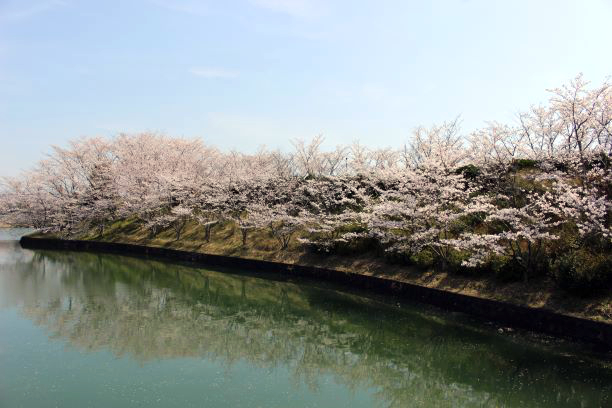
150 310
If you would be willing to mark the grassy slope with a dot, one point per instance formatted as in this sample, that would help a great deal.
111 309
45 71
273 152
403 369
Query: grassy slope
226 241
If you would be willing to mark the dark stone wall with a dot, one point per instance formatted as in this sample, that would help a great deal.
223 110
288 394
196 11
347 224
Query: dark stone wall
539 320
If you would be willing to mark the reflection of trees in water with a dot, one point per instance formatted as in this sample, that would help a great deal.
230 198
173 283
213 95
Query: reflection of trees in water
152 310
11 253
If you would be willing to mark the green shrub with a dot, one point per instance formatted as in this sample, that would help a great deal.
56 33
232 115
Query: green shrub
524 164
394 257
508 269
453 263
424 259
467 222
583 272
469 172
355 246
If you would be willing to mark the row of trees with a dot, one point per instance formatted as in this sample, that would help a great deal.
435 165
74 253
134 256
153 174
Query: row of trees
504 196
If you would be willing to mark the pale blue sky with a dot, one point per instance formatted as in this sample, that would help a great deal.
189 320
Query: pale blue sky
242 73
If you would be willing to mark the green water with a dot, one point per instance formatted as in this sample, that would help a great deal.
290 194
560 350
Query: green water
89 330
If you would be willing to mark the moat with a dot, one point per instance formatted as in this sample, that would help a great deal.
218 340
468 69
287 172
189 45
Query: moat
98 330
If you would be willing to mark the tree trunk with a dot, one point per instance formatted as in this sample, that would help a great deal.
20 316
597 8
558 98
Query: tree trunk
244 232
153 231
207 229
285 239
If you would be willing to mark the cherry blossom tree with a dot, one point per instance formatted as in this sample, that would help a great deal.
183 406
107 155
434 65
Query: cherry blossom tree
576 120
442 144
177 218
497 145
423 208
332 208
519 233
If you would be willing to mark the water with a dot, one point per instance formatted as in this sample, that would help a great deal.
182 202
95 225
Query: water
89 330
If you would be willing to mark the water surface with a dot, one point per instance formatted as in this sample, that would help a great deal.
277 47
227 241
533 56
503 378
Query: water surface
93 330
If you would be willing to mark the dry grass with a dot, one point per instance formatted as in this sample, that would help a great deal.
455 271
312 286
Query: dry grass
226 240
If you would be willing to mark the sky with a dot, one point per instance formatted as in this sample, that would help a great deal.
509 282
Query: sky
245 73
